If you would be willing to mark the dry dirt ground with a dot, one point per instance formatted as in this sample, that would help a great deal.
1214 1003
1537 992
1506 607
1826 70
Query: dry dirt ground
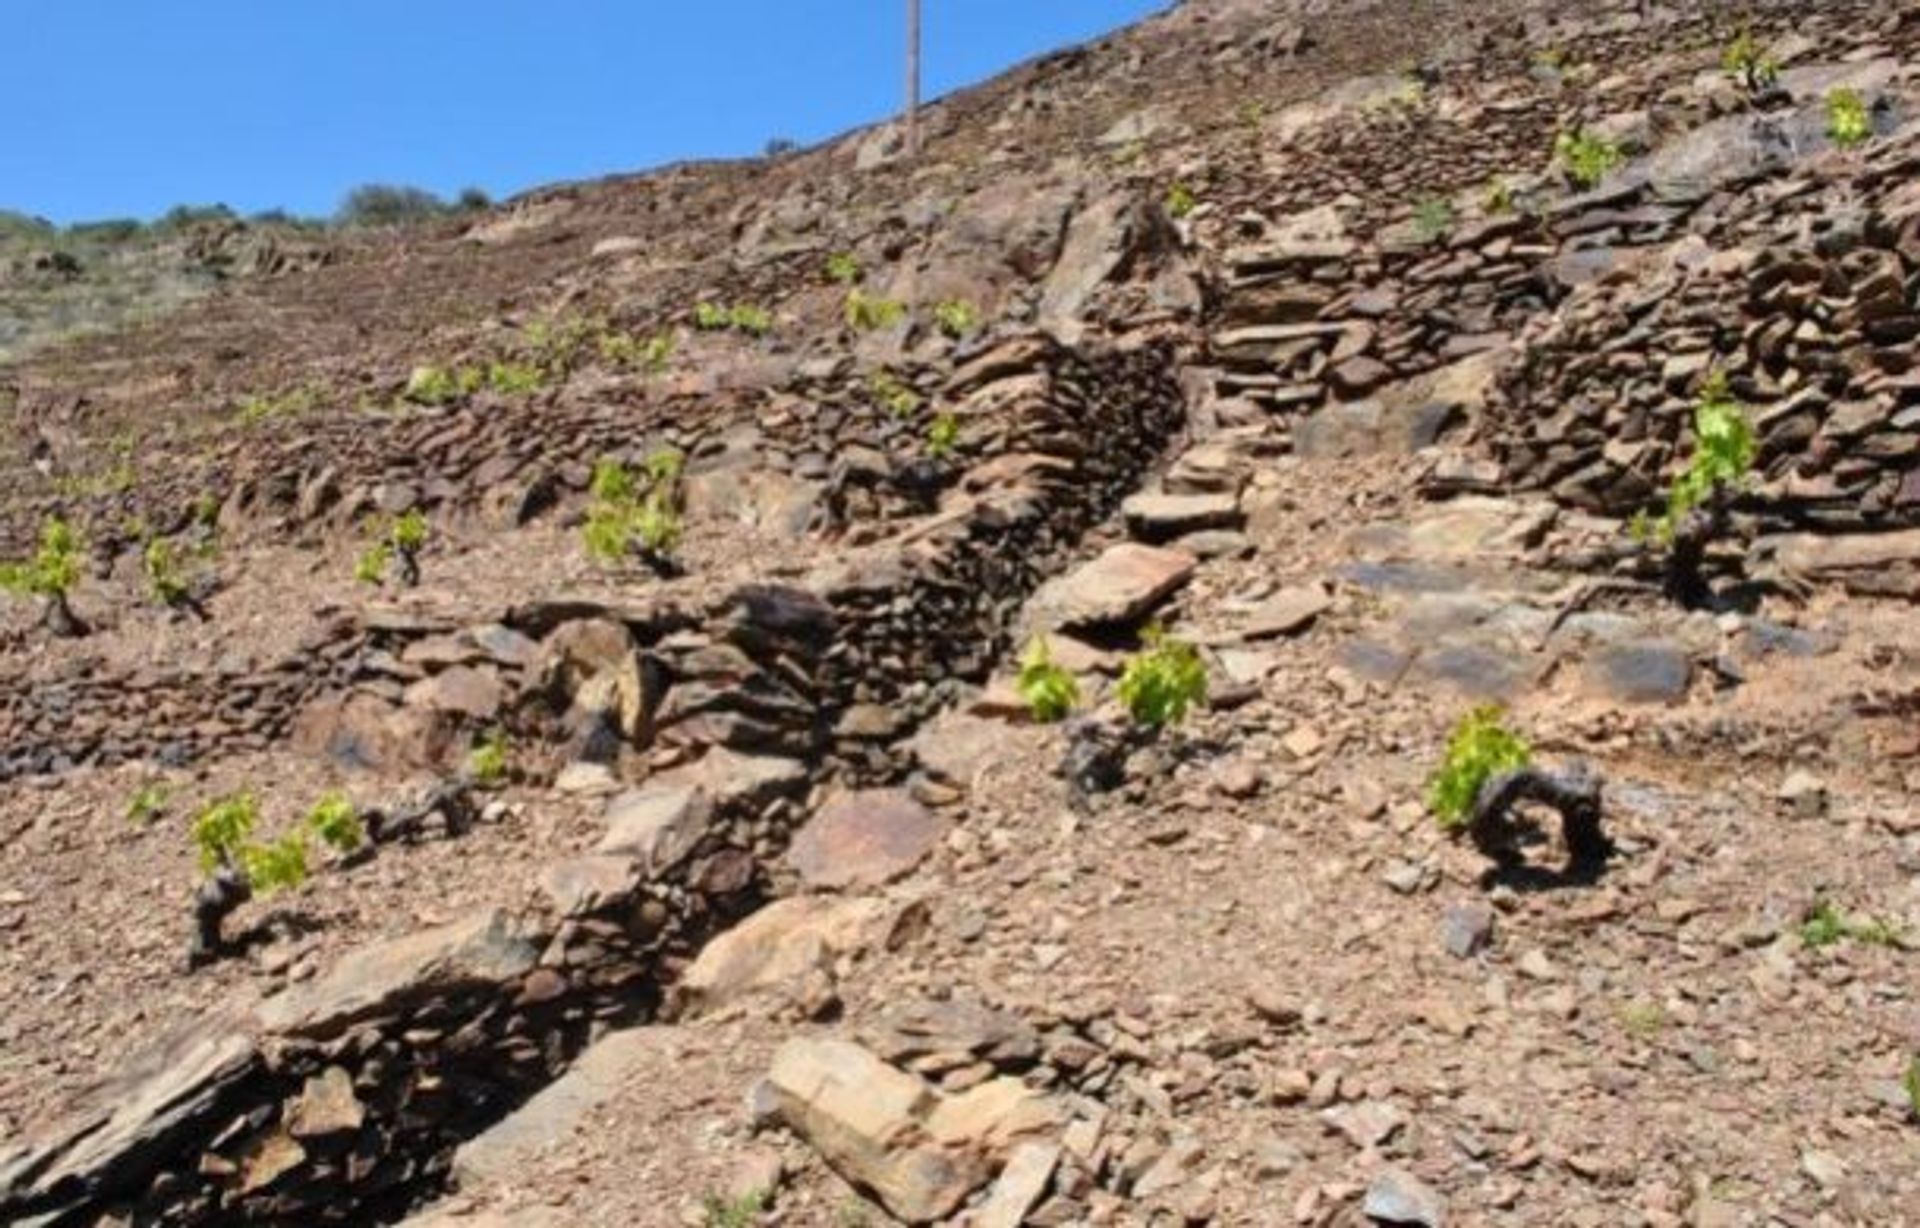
1257 982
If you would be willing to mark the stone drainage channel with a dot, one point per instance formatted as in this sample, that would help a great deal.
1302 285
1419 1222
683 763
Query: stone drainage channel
343 1099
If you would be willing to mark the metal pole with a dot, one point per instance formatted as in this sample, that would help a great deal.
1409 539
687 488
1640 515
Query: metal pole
913 78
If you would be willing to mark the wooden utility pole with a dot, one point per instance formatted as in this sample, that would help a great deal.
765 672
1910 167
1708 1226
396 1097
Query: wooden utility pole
913 78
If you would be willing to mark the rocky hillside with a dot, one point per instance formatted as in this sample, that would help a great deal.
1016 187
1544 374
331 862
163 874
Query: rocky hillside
555 717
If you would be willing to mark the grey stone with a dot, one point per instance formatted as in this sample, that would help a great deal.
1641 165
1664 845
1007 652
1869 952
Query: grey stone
1466 929
1287 612
661 824
1160 518
385 977
593 883
1397 1197
1642 672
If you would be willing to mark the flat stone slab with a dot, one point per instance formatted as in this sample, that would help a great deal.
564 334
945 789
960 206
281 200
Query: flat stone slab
1642 672
660 825
1120 588
1287 612
385 977
864 839
132 1124
1160 518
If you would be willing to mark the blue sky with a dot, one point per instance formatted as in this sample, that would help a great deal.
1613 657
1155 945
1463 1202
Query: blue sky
127 107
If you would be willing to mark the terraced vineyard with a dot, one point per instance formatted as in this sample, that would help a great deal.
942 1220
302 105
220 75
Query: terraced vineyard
684 844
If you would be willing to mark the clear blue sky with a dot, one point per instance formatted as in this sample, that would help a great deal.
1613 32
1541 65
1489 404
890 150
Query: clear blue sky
127 107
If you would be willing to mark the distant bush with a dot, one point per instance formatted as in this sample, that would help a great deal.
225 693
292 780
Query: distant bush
742 317
956 318
1848 121
473 200
1586 157
868 313
1433 219
1180 201
382 204
780 147
943 435
1162 681
1747 64
111 230
182 217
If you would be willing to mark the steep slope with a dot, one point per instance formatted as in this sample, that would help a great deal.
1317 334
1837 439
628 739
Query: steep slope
1277 324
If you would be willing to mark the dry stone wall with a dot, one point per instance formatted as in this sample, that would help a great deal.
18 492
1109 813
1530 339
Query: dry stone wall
340 1100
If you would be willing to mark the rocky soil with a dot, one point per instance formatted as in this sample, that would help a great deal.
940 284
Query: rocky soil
1289 337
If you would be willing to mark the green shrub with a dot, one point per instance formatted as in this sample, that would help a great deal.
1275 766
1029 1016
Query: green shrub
148 803
956 318
1848 121
1911 1082
223 828
371 566
410 532
740 318
488 761
869 313
473 200
648 354
1748 64
741 1212
276 867
844 268
435 386
382 204
1050 691
1180 201
166 582
630 508
336 823
1432 219
893 394
54 568
258 409
943 435
514 379
1480 749
1498 198
1825 925
557 345
1723 454
1586 157
1163 681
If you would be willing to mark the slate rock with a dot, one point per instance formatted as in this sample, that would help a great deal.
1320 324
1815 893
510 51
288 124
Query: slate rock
1160 518
385 977
1120 588
864 838
1642 672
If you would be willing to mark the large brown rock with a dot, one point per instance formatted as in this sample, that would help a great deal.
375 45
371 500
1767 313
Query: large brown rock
780 946
1120 588
864 839
867 1121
